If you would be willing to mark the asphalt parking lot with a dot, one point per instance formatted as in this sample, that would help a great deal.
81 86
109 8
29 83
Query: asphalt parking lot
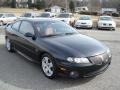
16 73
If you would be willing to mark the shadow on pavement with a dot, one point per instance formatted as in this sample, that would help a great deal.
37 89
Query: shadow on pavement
17 71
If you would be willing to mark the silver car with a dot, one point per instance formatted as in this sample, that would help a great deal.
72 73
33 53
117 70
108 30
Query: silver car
7 18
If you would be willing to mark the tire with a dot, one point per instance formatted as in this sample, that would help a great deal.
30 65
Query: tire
1 23
8 45
48 66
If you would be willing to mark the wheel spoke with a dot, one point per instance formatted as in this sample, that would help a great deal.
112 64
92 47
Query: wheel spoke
47 66
50 65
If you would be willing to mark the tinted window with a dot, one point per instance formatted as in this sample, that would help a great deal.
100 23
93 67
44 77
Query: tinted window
16 25
26 27
64 16
27 15
1 15
53 28
45 15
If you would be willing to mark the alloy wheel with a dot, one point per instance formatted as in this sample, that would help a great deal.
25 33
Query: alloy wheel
47 66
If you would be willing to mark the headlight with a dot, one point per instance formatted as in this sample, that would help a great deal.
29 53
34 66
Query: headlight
109 53
114 24
77 23
78 60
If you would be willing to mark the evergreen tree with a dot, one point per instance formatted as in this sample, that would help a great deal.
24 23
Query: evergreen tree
13 4
40 4
29 3
72 6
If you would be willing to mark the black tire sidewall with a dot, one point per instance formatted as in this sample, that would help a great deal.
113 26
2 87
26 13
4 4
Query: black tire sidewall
54 66
11 46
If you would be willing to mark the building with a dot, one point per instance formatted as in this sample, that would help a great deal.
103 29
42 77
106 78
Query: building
55 9
22 3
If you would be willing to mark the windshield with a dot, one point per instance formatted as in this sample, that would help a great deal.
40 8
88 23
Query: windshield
106 18
26 15
54 28
63 16
84 18
45 15
1 15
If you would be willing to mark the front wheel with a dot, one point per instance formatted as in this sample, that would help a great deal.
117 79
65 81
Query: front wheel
1 23
48 66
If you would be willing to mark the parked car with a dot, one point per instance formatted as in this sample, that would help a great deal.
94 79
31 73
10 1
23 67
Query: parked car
106 22
7 18
47 15
67 18
28 15
84 21
58 48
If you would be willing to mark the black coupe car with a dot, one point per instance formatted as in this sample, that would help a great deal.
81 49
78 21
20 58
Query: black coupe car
57 47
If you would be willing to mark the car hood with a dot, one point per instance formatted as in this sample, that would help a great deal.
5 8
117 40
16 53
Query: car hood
76 45
109 22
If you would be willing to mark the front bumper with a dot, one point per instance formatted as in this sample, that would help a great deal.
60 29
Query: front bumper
83 26
107 28
82 70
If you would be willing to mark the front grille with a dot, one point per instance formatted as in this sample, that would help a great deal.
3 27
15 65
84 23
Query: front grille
104 24
99 59
110 24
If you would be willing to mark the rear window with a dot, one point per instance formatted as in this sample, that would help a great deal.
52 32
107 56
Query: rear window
64 16
27 15
10 15
45 15
1 15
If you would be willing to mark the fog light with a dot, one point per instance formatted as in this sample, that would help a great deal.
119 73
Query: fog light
74 74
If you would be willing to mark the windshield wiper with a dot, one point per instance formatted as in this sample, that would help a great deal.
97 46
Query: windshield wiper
51 35
70 33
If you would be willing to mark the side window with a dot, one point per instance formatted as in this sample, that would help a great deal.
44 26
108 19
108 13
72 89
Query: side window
26 27
16 25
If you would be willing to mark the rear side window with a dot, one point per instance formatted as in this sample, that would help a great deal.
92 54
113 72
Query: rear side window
26 27
16 25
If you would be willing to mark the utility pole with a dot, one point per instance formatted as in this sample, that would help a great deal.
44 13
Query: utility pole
66 2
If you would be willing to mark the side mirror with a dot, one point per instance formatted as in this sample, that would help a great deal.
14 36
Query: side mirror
30 35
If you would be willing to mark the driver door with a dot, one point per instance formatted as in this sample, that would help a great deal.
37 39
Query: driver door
27 44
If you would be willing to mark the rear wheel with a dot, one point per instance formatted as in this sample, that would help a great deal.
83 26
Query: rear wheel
48 66
1 23
9 45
